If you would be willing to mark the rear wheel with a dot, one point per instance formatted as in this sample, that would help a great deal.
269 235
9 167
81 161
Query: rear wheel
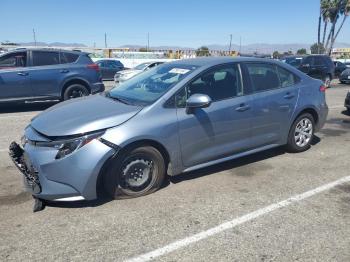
75 91
137 172
301 133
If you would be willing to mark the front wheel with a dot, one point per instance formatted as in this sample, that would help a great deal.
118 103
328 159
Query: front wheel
137 172
301 133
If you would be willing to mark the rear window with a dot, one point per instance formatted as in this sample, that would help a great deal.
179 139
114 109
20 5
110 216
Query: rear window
42 58
287 78
263 76
67 58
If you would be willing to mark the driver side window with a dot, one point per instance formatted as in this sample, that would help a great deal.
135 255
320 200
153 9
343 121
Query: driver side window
220 83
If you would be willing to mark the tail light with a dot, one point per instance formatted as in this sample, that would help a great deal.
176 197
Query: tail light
323 88
93 67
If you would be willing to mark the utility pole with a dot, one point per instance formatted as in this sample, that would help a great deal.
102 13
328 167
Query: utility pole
240 44
229 49
105 40
147 41
34 37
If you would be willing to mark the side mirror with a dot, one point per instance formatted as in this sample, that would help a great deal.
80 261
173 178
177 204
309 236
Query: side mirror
198 101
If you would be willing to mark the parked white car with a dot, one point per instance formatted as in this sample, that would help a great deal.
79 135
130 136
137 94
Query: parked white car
124 75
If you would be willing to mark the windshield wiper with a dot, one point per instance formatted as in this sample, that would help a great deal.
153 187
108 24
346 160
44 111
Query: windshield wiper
117 98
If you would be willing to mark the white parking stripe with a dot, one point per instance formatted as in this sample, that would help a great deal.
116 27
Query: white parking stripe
233 223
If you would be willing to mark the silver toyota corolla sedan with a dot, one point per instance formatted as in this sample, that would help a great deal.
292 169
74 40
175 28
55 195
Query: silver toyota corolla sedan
172 119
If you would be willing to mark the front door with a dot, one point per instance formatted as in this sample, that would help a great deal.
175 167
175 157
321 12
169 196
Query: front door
14 77
223 128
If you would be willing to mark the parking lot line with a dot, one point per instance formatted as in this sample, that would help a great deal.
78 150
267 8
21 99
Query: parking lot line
235 222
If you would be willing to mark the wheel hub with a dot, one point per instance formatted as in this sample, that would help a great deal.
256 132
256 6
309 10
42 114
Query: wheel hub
303 132
137 172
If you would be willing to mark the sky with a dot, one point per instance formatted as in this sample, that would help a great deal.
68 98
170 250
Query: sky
186 23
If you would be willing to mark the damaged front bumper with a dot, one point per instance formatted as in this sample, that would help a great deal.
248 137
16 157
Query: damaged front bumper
22 162
71 178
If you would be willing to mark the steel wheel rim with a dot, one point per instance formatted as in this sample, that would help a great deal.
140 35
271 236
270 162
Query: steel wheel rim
303 132
137 174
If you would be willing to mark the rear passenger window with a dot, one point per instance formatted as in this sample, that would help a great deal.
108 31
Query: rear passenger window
221 83
287 78
42 58
263 77
67 58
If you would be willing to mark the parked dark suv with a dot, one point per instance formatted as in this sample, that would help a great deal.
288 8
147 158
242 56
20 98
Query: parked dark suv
319 67
47 74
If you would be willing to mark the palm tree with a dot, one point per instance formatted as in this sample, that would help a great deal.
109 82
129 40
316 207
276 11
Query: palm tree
344 11
331 11
325 5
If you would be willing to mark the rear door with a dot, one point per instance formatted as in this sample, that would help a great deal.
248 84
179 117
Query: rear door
14 77
46 73
275 93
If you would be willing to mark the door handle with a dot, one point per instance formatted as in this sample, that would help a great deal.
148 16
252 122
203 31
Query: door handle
22 73
242 108
288 96
64 71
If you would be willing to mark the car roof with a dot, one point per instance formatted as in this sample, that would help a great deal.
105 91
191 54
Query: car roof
47 50
210 61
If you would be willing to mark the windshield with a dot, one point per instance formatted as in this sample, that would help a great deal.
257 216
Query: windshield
142 66
147 87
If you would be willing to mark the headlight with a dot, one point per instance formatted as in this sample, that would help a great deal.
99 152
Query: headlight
67 147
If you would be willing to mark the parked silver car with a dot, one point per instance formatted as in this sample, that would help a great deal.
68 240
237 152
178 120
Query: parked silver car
175 118
126 74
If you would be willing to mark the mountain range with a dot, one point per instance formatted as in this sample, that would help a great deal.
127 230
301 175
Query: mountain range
262 48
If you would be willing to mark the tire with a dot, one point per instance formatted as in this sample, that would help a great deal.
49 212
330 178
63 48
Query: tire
75 91
348 110
301 142
137 172
327 81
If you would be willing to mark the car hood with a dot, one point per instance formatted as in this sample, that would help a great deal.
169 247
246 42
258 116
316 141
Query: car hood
83 115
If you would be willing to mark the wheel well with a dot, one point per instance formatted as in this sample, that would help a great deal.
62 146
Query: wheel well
100 189
312 112
75 81
148 142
